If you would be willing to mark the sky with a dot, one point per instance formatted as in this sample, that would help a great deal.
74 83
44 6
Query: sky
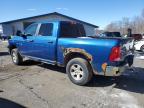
97 12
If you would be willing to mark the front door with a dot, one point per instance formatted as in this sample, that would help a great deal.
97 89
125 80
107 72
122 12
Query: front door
45 43
26 47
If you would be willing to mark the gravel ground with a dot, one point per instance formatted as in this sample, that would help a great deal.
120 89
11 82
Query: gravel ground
37 85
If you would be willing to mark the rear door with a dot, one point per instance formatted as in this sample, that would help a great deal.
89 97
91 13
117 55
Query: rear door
45 42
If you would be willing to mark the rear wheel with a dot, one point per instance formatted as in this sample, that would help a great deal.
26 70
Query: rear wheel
79 71
142 48
16 57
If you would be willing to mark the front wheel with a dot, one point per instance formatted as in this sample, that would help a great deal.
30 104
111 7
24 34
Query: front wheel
16 57
79 71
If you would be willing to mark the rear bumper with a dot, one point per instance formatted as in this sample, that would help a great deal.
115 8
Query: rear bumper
114 71
116 68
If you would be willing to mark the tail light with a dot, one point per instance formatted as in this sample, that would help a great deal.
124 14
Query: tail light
115 54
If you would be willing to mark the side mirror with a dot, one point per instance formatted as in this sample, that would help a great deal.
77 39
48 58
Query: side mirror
24 36
18 33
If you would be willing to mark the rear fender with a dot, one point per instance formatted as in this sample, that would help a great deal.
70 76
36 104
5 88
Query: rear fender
69 53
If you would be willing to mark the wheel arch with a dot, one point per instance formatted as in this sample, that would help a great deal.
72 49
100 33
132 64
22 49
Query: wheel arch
11 47
72 55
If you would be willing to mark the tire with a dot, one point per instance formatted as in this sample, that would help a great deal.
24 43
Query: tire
16 57
142 48
79 71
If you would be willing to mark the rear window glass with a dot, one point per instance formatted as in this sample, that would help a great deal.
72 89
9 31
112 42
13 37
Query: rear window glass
69 29
46 29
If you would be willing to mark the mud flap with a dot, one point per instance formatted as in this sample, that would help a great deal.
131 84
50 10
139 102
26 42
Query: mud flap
130 59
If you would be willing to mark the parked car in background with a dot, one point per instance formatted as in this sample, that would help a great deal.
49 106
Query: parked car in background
143 36
137 37
110 34
139 45
4 37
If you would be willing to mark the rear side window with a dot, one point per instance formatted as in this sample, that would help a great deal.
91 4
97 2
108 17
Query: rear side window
68 29
46 29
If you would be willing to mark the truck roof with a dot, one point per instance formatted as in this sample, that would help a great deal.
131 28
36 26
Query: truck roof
57 22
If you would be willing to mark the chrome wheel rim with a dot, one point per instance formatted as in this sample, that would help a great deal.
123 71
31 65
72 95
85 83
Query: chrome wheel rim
76 72
14 57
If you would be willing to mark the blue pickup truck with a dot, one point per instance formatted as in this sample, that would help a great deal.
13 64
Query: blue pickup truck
65 44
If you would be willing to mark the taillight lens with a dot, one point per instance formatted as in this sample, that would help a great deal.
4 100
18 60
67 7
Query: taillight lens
115 54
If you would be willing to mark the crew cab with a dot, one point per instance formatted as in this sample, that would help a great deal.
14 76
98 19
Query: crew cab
65 44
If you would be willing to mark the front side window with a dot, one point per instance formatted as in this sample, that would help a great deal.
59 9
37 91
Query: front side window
46 29
31 30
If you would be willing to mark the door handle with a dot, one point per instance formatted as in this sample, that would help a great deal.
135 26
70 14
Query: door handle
50 42
30 40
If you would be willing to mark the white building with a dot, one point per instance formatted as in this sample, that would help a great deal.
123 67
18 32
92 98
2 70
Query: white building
1 31
11 27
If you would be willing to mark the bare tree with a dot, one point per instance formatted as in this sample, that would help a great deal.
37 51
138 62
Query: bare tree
142 14
136 24
113 26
